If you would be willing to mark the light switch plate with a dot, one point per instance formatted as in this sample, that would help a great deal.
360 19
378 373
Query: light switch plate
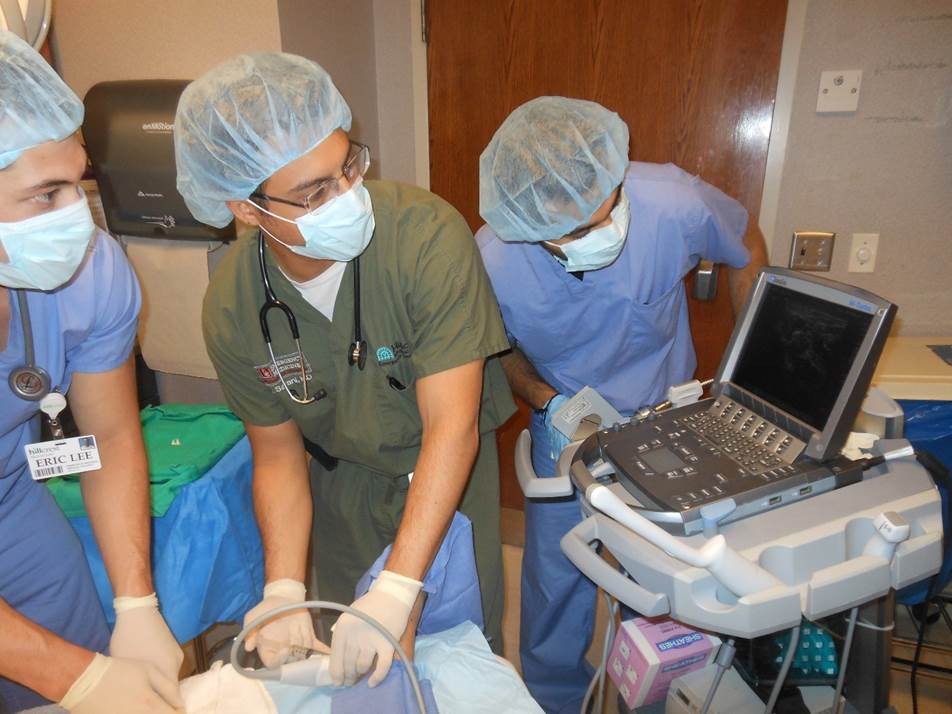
863 249
839 91
811 250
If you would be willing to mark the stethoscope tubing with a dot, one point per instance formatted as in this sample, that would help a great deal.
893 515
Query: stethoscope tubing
29 373
357 354
271 302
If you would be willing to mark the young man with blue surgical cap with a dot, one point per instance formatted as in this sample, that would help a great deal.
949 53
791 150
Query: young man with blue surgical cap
372 355
587 254
69 303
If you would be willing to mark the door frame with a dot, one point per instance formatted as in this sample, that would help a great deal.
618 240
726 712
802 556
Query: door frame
421 102
793 31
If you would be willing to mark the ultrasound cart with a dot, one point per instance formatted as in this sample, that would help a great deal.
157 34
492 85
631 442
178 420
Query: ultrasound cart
738 514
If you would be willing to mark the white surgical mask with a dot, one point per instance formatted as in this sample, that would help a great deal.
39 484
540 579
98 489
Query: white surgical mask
43 252
601 246
339 230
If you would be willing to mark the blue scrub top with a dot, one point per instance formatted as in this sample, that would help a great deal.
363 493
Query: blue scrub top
88 325
622 330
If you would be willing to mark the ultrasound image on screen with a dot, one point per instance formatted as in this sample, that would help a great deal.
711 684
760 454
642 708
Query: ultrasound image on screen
799 351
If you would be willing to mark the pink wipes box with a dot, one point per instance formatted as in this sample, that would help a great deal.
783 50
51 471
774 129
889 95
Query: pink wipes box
649 653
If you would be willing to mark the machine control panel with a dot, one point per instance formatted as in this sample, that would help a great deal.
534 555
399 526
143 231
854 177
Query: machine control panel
704 452
746 436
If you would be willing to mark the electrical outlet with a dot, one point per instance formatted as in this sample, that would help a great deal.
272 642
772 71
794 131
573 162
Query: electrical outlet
811 250
863 252
839 91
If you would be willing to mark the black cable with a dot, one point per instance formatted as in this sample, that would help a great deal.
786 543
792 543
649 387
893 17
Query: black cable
939 473
915 663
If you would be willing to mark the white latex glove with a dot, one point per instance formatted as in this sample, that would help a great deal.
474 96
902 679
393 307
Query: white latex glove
288 637
141 634
111 684
355 643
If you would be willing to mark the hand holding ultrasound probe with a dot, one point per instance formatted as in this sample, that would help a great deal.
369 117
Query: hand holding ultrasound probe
314 671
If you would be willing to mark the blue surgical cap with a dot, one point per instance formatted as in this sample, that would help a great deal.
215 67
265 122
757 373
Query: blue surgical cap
36 106
242 121
549 167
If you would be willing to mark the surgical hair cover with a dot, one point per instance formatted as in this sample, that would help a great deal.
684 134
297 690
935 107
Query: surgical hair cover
239 123
36 106
549 167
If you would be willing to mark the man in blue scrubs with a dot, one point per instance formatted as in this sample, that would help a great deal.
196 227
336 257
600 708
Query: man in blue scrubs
587 254
72 288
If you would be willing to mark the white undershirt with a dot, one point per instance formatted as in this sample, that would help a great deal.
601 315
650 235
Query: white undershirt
321 292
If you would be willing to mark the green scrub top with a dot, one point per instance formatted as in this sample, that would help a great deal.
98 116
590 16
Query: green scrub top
426 306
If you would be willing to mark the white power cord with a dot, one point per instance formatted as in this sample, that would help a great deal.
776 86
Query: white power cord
598 679
723 660
844 660
784 670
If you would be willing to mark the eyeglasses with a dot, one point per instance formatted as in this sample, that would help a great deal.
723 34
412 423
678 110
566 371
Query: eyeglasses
583 231
354 167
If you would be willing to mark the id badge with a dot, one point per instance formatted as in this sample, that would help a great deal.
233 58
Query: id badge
47 459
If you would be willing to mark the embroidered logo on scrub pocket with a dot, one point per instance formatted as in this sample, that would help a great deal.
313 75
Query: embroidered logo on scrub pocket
385 355
290 366
388 354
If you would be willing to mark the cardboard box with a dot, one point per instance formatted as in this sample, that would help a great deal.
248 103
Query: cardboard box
649 653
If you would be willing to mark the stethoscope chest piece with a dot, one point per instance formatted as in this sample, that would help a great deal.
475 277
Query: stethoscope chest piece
30 382
358 354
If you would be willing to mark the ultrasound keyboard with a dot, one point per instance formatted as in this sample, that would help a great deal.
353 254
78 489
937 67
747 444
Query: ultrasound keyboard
688 457
749 439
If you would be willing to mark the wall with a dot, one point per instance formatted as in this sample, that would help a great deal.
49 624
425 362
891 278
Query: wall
100 40
887 168
340 37
401 91
373 50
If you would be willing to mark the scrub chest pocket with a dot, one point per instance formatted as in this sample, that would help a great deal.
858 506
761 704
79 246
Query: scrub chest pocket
654 324
396 405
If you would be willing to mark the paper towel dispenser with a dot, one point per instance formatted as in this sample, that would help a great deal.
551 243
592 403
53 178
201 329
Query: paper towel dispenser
128 133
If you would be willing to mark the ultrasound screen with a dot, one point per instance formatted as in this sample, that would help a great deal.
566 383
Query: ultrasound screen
798 352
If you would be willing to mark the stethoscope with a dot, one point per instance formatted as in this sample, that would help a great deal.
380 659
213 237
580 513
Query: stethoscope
28 381
356 355
31 382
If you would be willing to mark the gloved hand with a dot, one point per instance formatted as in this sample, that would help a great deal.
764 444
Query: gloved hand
355 642
112 684
141 634
557 440
288 637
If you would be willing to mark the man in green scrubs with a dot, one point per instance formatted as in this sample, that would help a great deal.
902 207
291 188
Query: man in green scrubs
402 434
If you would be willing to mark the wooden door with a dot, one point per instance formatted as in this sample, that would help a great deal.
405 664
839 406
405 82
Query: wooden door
694 79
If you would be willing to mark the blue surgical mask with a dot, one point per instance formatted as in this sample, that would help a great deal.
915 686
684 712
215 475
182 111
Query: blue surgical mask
601 246
43 252
339 230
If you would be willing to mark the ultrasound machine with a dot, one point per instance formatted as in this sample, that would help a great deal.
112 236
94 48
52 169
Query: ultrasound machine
738 514
788 390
